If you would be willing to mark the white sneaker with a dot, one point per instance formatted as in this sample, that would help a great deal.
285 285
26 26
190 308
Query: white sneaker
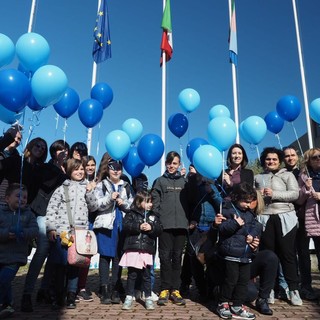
271 297
154 296
295 298
127 305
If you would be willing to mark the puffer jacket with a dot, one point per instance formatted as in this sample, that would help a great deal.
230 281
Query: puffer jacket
170 200
285 190
100 201
136 239
309 210
57 216
232 237
14 251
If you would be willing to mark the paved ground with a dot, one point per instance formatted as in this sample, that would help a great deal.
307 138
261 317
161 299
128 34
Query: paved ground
193 310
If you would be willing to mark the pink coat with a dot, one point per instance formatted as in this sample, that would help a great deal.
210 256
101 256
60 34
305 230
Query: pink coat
309 210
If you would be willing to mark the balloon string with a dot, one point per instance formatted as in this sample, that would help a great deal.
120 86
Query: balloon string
181 154
64 129
296 136
278 137
223 171
98 144
57 122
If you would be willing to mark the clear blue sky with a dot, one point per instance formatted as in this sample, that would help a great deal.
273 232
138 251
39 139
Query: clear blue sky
268 66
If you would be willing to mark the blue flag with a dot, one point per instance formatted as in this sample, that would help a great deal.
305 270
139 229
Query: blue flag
102 43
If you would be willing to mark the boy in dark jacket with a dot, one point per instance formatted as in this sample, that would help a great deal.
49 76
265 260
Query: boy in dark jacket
236 233
18 226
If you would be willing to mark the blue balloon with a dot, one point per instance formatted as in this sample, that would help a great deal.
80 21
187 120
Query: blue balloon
274 122
102 92
189 100
68 104
15 89
8 116
150 149
117 144
253 129
219 111
193 145
178 124
90 112
222 133
315 110
289 108
32 50
208 161
48 83
34 105
132 162
133 128
7 51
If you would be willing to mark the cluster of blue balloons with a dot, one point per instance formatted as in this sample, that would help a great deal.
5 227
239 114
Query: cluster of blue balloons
34 83
120 144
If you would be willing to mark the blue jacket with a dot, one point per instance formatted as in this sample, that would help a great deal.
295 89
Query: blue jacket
232 237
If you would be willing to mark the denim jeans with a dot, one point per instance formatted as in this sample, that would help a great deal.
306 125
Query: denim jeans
7 274
39 257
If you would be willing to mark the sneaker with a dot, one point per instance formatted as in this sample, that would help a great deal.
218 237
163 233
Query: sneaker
263 307
6 311
308 294
176 298
115 297
163 298
71 300
241 313
26 303
223 310
271 297
84 296
127 305
154 296
149 303
295 298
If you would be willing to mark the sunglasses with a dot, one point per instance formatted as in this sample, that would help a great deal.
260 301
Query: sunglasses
315 157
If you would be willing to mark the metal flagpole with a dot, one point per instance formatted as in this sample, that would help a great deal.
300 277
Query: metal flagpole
163 104
234 86
32 15
93 82
303 79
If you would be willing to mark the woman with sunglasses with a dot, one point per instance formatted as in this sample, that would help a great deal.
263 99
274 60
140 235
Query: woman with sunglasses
279 188
309 197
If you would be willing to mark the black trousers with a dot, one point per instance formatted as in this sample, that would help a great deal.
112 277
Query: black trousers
284 246
133 274
171 244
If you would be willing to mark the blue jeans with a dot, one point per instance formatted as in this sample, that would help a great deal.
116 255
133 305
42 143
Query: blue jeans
7 274
38 258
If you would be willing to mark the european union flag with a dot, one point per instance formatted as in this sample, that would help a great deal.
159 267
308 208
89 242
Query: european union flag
102 43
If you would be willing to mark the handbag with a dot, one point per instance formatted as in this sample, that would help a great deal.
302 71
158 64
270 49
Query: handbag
84 244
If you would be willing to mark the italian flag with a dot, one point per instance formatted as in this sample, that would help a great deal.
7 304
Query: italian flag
166 41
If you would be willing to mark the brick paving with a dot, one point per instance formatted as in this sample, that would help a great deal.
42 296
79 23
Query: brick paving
193 310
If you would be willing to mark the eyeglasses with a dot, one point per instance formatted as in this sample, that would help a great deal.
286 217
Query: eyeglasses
315 157
272 159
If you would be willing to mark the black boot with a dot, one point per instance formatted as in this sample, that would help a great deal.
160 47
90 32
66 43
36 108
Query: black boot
26 303
71 300
105 297
263 307
115 297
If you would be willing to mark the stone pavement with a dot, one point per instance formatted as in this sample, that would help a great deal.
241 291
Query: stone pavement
193 310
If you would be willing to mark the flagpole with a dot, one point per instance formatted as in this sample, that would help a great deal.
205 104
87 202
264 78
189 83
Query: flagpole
234 86
163 103
93 82
32 15
303 79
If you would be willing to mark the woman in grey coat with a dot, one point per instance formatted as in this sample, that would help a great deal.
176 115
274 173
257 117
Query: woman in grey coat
280 189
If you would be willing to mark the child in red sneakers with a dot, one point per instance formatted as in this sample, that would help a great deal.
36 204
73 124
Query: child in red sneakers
236 233
141 227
